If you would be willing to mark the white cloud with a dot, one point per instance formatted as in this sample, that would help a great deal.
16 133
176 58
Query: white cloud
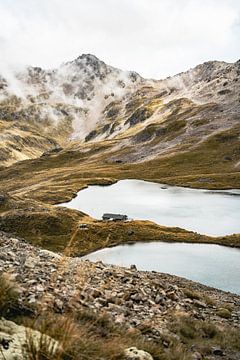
157 38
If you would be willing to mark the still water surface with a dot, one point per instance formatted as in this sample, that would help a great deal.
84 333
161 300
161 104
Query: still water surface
208 212
212 265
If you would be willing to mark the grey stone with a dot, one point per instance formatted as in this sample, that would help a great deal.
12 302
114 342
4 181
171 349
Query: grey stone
135 354
199 304
2 198
217 351
196 356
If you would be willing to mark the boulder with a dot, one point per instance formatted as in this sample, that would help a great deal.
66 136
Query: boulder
196 356
134 354
217 351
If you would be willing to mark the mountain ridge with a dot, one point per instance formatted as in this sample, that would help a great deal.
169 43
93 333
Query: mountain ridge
88 101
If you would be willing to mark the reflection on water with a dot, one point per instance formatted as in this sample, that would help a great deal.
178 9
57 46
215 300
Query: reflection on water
212 265
207 212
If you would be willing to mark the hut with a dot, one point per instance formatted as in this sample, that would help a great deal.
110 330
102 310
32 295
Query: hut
114 217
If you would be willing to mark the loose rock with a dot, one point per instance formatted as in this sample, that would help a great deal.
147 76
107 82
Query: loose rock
134 354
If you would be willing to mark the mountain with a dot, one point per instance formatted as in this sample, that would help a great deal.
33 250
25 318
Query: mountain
41 110
87 101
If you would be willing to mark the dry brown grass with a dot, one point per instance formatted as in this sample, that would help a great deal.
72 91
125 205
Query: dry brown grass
8 295
94 336
205 335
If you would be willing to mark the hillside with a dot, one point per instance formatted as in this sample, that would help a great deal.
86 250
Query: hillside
68 309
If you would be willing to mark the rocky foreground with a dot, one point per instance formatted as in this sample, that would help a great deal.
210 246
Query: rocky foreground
137 299
129 295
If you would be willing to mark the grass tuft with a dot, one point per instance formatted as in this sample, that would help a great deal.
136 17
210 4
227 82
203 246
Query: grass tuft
8 295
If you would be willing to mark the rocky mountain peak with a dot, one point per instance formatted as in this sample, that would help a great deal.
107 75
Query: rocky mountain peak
88 66
89 58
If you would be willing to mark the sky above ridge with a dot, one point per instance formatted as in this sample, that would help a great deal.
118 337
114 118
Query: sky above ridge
156 38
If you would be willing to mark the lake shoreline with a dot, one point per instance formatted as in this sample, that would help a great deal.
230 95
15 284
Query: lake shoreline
53 227
109 182
198 210
201 263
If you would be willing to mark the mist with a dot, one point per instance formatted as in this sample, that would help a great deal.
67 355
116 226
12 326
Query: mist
156 38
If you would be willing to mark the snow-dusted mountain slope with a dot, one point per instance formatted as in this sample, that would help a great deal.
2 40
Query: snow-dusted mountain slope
86 100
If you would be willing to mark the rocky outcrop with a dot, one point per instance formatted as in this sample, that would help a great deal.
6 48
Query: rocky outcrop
16 341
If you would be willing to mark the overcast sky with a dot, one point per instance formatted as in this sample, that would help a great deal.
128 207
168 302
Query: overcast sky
156 38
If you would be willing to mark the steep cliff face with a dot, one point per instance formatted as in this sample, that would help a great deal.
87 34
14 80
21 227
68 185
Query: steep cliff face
88 101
